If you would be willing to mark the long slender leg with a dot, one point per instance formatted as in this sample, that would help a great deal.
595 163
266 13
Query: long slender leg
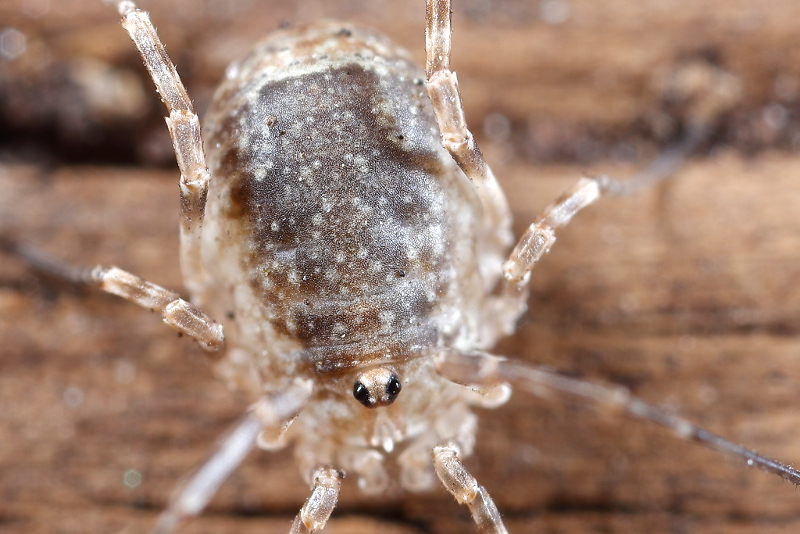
318 508
710 103
482 369
664 166
271 412
184 128
466 490
504 308
540 236
45 264
706 93
176 312
442 86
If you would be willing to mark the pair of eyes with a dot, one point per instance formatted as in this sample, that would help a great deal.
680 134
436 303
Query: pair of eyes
391 388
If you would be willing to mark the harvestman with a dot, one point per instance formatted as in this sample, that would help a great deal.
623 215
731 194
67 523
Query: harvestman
358 257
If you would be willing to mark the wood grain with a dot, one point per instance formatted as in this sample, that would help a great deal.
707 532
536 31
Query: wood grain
575 79
689 293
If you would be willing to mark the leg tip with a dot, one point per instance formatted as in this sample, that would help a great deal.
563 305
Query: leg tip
125 7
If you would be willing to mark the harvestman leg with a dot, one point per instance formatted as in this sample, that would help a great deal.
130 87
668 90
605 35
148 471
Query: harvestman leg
485 370
466 490
176 312
540 236
535 243
184 129
272 411
318 508
442 86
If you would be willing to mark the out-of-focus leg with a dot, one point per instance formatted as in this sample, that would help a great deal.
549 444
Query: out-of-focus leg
466 490
318 508
271 412
486 370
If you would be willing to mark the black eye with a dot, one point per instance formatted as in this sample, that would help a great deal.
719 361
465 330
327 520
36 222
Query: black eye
393 388
361 393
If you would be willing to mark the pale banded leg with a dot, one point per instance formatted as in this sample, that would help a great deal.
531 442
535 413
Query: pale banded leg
504 308
318 508
482 369
466 490
540 236
184 128
176 312
442 86
503 311
271 412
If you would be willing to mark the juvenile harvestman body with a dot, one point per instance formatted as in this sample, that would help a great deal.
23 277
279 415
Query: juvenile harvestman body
343 223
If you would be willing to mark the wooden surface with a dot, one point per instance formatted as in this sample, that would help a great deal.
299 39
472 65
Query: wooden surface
689 293
575 79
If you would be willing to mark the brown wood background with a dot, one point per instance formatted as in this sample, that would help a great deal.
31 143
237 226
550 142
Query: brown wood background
689 293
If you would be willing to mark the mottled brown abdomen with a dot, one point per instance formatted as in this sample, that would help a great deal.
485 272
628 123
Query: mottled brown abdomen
359 228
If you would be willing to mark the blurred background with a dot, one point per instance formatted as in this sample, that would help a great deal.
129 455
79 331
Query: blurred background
688 293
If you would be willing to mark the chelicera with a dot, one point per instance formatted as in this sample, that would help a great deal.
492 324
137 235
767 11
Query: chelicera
339 218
